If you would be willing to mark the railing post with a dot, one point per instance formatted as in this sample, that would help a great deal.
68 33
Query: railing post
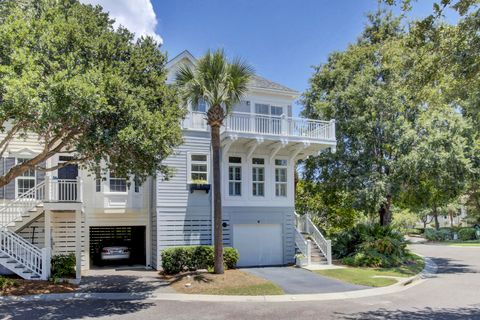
80 189
329 251
47 188
307 226
332 129
309 252
46 263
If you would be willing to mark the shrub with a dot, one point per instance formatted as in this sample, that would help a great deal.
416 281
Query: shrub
466 234
6 283
370 245
178 259
63 266
438 235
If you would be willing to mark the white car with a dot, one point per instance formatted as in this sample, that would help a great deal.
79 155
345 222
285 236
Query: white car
115 253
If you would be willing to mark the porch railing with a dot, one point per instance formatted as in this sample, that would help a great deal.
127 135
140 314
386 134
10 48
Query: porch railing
260 124
63 190
305 225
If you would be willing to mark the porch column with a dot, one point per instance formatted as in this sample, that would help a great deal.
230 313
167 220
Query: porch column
78 243
48 243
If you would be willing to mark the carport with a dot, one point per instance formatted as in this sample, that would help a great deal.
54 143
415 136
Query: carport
131 236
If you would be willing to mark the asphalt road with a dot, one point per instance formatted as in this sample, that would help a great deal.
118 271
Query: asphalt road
454 293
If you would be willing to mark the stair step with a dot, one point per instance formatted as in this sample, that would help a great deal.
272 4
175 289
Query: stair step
35 277
19 266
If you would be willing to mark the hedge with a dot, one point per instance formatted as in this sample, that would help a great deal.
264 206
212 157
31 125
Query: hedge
466 234
177 259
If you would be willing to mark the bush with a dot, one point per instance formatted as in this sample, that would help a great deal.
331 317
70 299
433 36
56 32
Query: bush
6 283
63 266
370 245
466 234
178 259
439 235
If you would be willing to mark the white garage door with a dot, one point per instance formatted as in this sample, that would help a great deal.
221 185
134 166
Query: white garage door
258 244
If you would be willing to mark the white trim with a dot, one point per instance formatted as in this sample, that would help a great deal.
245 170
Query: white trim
189 165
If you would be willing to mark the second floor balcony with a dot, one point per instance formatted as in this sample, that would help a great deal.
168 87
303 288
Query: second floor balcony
268 126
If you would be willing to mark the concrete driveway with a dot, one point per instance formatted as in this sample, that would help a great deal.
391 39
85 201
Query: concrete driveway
124 280
297 281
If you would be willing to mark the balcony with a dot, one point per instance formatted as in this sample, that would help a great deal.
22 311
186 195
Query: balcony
251 125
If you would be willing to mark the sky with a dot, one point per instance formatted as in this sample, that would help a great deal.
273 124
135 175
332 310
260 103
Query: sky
281 39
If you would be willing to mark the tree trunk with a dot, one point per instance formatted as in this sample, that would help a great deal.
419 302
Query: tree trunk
435 216
215 120
385 212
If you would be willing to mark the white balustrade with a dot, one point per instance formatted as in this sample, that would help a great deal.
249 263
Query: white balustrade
240 122
305 225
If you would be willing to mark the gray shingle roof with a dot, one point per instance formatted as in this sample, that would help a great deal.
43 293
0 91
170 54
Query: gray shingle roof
260 82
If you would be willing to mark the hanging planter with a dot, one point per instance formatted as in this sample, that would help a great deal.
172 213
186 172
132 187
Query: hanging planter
199 185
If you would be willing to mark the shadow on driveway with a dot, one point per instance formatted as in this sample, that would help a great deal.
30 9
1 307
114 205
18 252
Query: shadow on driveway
418 314
300 281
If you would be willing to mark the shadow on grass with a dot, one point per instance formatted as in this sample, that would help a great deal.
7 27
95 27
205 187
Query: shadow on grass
418 314
71 309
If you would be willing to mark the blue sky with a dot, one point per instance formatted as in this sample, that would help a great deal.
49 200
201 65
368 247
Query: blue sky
282 39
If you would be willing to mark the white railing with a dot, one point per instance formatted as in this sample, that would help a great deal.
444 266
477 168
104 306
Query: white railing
63 190
26 201
24 253
303 245
241 122
305 225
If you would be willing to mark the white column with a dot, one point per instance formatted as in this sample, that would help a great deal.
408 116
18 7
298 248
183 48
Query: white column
78 243
47 252
309 252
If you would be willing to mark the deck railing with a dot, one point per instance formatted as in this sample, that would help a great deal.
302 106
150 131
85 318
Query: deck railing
239 122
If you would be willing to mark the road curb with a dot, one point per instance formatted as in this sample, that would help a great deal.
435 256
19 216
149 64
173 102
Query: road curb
428 272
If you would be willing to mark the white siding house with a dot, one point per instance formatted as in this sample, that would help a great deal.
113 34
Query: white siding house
70 211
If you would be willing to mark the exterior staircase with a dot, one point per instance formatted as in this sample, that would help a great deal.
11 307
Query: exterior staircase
17 254
311 243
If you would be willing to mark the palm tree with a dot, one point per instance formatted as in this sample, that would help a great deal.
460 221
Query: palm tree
221 84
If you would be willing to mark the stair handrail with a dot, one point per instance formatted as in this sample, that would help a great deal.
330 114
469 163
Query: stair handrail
323 244
22 251
26 201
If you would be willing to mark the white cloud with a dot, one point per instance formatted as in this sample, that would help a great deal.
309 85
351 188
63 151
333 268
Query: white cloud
135 15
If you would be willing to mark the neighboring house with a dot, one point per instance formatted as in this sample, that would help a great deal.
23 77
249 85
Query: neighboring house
69 211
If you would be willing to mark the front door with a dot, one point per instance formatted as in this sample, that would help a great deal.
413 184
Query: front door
67 180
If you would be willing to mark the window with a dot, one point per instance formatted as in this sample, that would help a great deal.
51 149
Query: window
280 178
117 184
198 168
136 184
258 177
201 106
276 111
26 181
98 180
261 108
235 176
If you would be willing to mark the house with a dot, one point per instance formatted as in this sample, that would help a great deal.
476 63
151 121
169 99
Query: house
69 210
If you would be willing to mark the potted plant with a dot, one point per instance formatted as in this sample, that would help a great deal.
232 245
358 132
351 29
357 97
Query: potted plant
300 260
199 185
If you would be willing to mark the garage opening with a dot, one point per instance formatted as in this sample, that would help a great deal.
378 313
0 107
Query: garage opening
122 245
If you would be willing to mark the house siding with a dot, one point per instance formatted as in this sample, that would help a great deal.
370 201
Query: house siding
182 217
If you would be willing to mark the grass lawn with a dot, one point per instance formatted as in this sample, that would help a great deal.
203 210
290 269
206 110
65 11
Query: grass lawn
233 282
471 243
372 277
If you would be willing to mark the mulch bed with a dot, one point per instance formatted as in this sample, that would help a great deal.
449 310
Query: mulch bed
31 287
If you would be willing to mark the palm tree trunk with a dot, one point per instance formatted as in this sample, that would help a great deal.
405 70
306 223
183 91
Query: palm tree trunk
215 120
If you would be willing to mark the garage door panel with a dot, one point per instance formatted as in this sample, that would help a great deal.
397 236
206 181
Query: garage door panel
258 244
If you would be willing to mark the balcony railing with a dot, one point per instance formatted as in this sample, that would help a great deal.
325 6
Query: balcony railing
260 124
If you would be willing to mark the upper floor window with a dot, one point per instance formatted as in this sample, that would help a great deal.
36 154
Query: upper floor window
136 184
258 177
198 168
276 111
235 176
117 184
267 109
201 106
26 180
280 178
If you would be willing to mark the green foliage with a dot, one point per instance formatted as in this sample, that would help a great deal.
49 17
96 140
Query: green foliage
63 266
6 283
331 210
370 245
466 234
69 77
442 234
178 259
404 219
